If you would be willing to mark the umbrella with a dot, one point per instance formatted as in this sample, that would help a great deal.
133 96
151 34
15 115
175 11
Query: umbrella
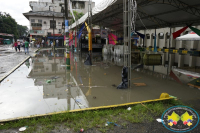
189 37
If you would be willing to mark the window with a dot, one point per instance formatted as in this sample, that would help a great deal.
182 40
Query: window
78 5
161 35
36 24
45 22
39 21
153 35
147 36
167 35
59 22
52 23
32 20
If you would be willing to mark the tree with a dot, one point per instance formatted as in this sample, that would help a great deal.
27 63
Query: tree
8 25
22 30
77 16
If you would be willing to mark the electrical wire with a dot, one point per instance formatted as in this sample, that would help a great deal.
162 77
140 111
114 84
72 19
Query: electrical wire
133 8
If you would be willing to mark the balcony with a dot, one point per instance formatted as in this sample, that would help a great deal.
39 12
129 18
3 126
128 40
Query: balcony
37 32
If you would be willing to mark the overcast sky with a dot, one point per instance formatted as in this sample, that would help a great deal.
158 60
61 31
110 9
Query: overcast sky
16 7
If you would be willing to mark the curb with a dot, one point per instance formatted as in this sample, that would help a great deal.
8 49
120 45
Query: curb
85 109
16 67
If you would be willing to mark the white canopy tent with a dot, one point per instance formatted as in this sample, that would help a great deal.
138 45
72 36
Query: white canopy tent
189 37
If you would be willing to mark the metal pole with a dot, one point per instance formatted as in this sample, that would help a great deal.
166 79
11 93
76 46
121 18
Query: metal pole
53 32
129 43
168 52
67 36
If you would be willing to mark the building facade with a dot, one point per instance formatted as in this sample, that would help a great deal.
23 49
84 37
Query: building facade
46 17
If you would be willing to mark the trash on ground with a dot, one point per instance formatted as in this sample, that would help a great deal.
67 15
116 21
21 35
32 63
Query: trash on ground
97 126
94 97
56 77
104 73
23 128
66 90
106 124
114 85
129 108
48 81
159 120
139 84
93 86
2 124
82 130
112 123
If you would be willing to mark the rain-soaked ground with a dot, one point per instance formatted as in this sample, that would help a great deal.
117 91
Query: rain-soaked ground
44 85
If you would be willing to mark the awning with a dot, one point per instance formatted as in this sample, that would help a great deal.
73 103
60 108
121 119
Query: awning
189 37
151 14
59 38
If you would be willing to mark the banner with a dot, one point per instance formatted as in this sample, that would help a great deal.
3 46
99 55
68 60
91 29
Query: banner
177 33
197 31
112 39
81 30
141 35
71 38
104 33
66 26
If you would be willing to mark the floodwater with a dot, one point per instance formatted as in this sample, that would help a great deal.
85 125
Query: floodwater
43 84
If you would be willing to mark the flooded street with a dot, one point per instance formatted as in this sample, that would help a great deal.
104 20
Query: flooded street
44 85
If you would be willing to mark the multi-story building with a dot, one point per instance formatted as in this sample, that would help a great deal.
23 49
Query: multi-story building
46 17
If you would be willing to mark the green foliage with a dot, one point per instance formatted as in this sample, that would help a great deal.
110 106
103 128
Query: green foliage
140 113
9 25
22 30
77 16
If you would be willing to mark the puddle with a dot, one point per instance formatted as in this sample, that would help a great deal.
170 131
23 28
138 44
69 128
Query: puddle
26 91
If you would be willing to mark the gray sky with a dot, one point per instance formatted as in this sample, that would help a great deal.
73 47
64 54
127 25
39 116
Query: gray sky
16 7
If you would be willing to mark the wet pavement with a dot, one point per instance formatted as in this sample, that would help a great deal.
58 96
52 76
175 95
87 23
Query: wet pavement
43 84
10 58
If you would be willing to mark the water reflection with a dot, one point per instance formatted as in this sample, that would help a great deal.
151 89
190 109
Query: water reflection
43 84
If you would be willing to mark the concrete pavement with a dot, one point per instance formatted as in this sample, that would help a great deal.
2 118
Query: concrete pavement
9 58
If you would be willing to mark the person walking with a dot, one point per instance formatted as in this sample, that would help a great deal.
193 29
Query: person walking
15 45
26 44
57 43
43 43
18 45
38 45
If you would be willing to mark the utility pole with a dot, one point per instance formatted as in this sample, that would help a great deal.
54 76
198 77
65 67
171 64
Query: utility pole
88 60
67 35
66 18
